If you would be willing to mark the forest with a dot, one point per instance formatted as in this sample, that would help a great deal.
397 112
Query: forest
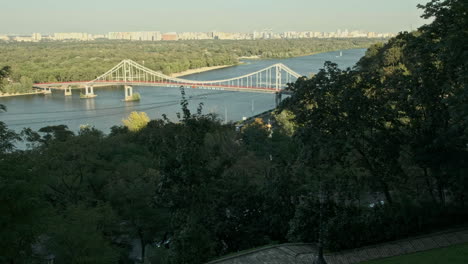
84 61
355 157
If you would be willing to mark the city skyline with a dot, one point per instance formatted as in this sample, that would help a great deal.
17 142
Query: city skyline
27 16
174 36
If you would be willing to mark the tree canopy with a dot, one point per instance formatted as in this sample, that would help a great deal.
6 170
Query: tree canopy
353 157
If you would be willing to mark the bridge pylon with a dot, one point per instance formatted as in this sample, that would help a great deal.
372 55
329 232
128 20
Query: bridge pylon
278 97
129 96
89 92
278 80
68 91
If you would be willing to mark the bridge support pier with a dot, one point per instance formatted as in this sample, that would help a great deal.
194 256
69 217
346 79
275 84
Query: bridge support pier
68 91
278 96
47 90
129 96
89 92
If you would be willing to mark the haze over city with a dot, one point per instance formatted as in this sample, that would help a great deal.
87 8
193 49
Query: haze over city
47 16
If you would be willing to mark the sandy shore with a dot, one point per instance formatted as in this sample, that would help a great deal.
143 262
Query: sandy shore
203 69
19 94
253 57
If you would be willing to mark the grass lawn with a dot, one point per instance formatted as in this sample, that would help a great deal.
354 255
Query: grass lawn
457 254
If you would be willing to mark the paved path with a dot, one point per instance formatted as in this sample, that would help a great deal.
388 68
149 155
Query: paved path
305 253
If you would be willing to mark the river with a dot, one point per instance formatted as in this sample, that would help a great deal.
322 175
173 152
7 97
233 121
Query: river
108 109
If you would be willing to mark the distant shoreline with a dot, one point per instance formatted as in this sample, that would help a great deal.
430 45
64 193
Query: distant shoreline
190 71
253 57
20 94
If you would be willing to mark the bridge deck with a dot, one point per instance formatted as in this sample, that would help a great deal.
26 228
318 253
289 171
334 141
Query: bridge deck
268 80
81 85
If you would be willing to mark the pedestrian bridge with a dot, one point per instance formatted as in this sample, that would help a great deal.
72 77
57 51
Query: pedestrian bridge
127 73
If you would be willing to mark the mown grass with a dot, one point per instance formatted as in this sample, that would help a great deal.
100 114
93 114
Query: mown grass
457 254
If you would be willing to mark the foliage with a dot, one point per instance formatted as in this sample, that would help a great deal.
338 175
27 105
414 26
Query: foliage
388 127
286 122
354 157
23 86
136 121
23 212
4 73
78 236
78 61
8 138
256 134
453 254
136 97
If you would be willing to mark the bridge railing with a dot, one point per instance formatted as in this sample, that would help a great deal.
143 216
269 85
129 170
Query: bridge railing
273 77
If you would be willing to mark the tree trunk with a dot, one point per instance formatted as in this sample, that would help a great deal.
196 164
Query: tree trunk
440 186
429 185
386 192
143 246
440 190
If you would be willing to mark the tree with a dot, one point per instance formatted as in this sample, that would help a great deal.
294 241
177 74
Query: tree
193 244
4 73
73 61
78 236
132 191
255 135
136 121
23 212
390 127
286 122
8 138
60 133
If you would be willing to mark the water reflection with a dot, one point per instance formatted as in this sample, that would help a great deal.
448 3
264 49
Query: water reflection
90 104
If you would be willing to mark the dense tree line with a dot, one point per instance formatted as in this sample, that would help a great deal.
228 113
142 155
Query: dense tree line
83 61
395 127
363 155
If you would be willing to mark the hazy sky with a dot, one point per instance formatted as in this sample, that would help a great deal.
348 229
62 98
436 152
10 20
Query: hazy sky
102 16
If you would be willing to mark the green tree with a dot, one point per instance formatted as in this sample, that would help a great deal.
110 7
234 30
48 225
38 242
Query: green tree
192 243
8 138
23 212
136 121
132 191
78 236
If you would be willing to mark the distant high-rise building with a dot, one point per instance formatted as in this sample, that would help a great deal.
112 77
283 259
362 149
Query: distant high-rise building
99 36
157 36
72 36
169 36
119 35
255 35
23 38
139 36
193 35
37 37
345 34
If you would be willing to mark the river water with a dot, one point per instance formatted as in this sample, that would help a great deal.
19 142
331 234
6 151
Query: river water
108 109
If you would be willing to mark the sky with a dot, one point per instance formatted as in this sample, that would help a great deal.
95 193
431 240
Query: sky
102 16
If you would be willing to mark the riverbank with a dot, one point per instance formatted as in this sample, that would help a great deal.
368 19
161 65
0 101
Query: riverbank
106 110
20 94
199 70
253 57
